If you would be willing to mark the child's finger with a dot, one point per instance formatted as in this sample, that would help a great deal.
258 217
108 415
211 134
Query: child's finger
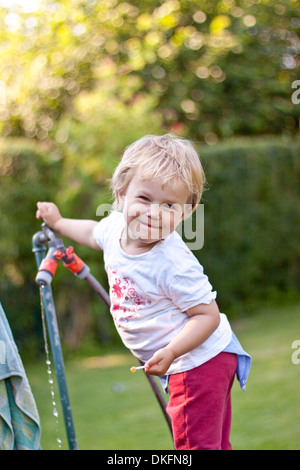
42 210
155 359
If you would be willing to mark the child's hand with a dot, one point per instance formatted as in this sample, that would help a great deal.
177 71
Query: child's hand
160 362
49 212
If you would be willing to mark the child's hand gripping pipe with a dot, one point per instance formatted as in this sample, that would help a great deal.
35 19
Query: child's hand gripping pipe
57 252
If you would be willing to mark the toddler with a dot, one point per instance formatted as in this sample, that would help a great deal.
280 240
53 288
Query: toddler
162 303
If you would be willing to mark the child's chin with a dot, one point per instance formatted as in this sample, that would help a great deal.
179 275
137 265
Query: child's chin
149 241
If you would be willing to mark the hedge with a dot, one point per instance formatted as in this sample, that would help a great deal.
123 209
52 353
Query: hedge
251 242
252 212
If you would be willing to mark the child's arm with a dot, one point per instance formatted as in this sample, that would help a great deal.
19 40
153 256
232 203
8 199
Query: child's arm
81 231
204 320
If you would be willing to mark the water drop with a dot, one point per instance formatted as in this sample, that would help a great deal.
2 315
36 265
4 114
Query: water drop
48 364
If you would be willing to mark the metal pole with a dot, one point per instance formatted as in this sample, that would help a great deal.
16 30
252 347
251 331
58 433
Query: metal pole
54 338
159 396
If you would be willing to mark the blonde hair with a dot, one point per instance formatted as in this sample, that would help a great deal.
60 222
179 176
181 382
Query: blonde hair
165 157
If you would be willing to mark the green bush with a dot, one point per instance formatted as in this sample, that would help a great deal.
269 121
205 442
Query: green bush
251 249
27 172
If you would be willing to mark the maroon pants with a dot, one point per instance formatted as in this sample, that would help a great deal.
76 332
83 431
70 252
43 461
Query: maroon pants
200 405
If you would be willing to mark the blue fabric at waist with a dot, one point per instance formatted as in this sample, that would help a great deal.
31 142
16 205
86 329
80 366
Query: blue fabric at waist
243 364
244 360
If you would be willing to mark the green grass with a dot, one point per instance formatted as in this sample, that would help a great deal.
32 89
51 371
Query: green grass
114 409
267 415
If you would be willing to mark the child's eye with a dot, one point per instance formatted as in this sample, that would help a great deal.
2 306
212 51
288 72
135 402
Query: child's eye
144 198
168 206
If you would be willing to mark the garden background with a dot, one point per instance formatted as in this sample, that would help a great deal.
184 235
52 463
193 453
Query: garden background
81 80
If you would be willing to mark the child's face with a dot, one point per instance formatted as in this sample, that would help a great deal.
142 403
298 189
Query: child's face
153 211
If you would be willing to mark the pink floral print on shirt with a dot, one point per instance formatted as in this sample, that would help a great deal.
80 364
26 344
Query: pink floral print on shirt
125 300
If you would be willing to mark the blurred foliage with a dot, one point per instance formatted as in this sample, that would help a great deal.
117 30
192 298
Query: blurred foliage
251 250
215 68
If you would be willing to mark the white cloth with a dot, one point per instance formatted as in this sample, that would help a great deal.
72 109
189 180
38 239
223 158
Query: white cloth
151 292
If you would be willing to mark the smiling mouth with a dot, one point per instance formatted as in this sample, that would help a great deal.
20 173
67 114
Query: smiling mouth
151 226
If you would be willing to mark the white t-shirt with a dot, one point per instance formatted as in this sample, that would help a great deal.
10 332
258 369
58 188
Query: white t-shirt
151 292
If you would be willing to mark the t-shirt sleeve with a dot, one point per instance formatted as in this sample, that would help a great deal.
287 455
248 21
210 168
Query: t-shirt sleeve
104 229
99 233
191 287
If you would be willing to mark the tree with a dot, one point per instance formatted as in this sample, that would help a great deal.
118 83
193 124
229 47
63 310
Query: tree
216 69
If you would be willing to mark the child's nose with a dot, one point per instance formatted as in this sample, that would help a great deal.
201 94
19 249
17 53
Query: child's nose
155 211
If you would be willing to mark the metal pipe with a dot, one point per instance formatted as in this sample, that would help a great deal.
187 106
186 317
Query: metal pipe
39 250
